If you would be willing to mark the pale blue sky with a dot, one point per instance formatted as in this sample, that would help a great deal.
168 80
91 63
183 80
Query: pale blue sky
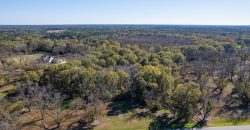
203 12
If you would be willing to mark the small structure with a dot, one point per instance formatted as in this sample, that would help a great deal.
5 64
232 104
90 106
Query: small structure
47 59
51 59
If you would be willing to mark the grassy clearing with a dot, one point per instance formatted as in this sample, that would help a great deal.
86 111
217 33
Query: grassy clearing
229 122
25 57
23 60
130 121
124 122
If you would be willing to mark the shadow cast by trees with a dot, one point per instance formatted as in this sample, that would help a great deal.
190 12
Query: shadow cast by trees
141 115
237 105
124 103
166 122
200 124
82 125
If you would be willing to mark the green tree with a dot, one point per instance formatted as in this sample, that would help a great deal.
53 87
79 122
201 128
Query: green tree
184 100
153 83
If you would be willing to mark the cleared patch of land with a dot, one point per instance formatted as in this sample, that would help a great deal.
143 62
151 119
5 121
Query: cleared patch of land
124 122
56 31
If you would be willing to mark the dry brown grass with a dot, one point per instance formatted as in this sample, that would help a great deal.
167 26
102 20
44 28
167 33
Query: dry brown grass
32 120
6 88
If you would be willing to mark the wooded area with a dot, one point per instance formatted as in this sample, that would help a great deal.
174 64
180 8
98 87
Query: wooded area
193 73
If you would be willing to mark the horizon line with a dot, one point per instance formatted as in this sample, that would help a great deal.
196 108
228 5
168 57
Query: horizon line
126 24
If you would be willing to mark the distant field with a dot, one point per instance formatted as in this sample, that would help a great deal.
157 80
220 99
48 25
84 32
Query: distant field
56 31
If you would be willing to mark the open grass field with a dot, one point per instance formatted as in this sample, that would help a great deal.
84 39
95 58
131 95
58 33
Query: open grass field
137 119
228 122
124 122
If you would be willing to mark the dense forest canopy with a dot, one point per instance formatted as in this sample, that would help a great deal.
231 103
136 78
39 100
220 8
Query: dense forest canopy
191 73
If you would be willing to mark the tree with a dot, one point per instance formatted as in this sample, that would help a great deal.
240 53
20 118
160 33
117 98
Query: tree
60 111
242 89
122 82
111 83
71 78
153 83
178 58
184 100
222 74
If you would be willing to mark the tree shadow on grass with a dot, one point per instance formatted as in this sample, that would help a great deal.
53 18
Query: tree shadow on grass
237 105
81 125
141 115
200 124
124 103
166 122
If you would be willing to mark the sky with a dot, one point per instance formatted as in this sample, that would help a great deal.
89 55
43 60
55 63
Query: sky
184 12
